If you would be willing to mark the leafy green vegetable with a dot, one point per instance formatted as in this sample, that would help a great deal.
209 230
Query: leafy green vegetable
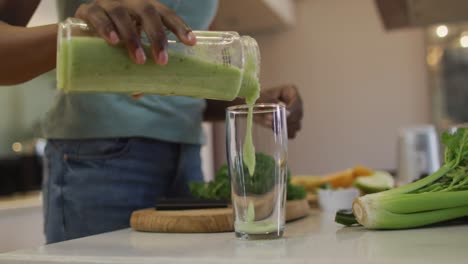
326 186
220 188
295 192
261 182
438 197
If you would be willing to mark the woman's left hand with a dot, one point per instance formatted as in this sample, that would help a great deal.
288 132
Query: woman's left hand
288 95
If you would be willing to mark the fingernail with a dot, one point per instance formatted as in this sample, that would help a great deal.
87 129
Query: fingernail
191 37
140 56
163 57
114 38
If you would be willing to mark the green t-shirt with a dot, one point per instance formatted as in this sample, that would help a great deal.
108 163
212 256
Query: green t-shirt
169 118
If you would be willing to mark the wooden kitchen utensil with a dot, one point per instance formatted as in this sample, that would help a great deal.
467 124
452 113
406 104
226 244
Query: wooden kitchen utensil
183 221
296 209
200 220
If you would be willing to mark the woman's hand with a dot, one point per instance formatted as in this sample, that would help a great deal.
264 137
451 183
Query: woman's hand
121 21
288 95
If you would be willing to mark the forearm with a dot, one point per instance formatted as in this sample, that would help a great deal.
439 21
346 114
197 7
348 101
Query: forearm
216 110
26 52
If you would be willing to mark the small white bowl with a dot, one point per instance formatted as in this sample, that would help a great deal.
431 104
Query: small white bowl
334 200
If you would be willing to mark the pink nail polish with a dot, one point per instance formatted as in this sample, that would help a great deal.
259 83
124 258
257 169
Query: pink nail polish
140 56
191 37
114 38
163 57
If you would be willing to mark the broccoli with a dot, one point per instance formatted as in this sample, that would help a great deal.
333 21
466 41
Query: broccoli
219 188
295 192
262 180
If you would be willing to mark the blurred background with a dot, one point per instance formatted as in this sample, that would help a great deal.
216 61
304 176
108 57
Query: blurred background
366 69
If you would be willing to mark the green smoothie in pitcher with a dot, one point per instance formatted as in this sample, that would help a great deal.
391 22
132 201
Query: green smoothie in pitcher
221 66
89 64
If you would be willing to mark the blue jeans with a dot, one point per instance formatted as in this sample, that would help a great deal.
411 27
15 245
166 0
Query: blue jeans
93 186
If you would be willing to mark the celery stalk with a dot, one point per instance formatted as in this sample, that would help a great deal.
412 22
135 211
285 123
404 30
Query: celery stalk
421 202
383 219
439 197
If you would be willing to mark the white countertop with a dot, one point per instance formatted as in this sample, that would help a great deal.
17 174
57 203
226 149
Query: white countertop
315 239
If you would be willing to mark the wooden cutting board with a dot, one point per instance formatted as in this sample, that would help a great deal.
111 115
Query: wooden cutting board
202 220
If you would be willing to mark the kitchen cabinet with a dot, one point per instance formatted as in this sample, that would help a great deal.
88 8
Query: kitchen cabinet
255 16
397 14
315 239
19 174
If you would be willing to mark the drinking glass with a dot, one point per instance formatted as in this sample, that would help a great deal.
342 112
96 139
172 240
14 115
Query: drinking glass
258 199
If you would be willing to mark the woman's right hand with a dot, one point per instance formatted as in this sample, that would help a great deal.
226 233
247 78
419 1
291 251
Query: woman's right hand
121 21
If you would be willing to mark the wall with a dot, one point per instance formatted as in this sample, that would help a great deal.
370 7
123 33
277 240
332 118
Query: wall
359 84
24 105
6 120
45 13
